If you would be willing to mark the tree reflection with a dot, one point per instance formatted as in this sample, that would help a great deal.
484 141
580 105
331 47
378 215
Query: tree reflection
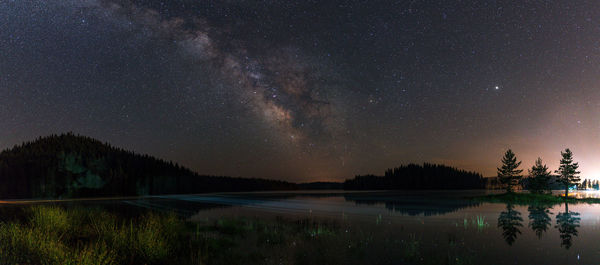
411 204
539 219
510 221
567 224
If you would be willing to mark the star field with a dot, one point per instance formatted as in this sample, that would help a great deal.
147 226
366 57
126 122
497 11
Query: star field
307 90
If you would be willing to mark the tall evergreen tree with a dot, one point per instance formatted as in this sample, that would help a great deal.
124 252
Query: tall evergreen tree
508 174
539 177
567 172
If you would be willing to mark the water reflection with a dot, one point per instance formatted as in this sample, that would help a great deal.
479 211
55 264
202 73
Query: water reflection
539 219
567 224
386 217
425 214
510 221
414 205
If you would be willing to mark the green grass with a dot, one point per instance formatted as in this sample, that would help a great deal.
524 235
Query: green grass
52 235
530 198
56 235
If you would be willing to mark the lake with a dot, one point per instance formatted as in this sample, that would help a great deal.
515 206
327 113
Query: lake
416 227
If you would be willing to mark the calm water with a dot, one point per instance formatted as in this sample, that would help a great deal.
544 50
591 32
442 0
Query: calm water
439 222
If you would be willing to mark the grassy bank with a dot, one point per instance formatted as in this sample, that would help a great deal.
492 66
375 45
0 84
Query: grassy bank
530 198
54 235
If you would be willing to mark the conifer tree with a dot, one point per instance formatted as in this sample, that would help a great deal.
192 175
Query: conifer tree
539 177
567 172
508 174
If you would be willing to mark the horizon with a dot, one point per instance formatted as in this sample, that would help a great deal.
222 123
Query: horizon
524 174
306 92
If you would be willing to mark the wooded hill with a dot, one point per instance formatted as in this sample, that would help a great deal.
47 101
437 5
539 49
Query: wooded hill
68 165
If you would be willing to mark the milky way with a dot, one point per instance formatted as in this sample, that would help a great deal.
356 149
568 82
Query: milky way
280 86
303 90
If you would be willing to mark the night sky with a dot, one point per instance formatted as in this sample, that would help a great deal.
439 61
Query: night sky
308 90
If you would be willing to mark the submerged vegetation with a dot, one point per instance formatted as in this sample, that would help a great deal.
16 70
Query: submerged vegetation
57 235
477 222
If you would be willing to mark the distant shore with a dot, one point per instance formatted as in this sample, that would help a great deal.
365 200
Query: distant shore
530 198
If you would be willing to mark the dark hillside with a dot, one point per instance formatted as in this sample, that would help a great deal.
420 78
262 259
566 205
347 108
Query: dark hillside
68 165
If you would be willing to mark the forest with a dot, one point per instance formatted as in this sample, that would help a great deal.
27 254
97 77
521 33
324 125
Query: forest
69 165
419 177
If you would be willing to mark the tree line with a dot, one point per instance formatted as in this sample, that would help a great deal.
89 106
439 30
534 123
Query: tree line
589 184
68 165
539 178
413 176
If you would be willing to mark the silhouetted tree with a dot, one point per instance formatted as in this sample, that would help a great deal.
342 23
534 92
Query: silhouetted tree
539 178
567 224
508 174
567 172
539 219
510 221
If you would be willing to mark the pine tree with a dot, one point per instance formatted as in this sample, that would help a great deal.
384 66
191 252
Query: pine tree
567 172
508 174
539 177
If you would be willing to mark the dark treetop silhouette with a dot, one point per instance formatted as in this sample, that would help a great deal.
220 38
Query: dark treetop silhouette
412 176
67 165
539 178
567 172
508 174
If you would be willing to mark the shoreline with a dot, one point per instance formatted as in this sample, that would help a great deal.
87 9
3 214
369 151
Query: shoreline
530 198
